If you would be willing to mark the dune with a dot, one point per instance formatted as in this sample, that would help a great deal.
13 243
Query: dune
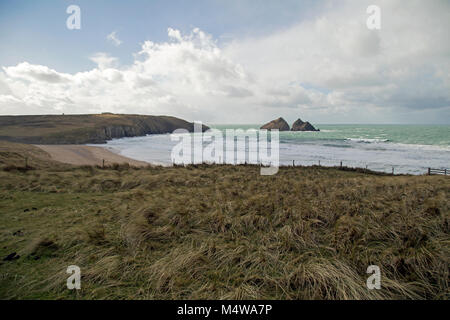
87 155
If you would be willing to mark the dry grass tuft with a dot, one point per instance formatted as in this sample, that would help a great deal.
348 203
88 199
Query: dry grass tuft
225 232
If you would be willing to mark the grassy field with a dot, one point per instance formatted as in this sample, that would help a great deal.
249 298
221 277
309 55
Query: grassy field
220 232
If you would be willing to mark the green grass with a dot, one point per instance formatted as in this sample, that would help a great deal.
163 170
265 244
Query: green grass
222 232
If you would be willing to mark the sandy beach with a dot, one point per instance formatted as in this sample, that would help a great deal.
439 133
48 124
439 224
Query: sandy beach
87 155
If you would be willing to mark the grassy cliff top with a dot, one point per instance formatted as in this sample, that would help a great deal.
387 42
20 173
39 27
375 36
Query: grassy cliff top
81 129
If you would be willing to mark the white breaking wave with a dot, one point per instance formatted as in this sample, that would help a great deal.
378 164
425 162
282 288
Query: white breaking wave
367 140
376 154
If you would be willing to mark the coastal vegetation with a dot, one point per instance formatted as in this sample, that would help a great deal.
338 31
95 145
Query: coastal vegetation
218 232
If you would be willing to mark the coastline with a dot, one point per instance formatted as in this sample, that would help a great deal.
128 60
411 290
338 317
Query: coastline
87 155
376 151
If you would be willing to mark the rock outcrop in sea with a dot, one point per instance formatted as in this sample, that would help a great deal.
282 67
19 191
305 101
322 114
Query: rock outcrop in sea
299 125
279 124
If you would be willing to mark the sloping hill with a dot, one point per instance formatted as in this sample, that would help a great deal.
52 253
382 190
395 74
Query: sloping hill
89 128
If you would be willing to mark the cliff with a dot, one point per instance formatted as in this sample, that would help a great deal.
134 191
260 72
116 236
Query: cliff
82 129
279 124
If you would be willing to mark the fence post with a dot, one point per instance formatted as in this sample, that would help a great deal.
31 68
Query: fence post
293 163
319 163
429 171
341 164
392 170
445 171
103 163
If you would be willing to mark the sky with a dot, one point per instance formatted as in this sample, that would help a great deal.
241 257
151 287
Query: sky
235 61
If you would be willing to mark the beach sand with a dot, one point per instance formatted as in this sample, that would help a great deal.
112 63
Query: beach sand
87 155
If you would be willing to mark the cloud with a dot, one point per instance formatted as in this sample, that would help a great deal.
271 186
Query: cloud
104 60
31 72
166 78
402 66
329 68
112 37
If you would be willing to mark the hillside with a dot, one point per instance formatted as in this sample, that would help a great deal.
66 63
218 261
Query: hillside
82 129
221 232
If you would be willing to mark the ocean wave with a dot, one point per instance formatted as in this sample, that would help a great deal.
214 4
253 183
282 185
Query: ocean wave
367 140
336 145
378 153
386 144
427 147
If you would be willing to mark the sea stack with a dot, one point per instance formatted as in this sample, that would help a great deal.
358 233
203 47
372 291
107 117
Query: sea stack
299 125
279 124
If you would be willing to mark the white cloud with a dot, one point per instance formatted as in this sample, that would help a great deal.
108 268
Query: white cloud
165 78
104 60
402 67
31 72
328 69
112 37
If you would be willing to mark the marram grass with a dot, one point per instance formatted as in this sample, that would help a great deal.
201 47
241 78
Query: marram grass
222 232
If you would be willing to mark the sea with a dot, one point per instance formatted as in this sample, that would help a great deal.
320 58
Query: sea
406 149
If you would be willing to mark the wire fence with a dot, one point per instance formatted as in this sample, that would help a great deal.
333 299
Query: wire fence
342 164
432 171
